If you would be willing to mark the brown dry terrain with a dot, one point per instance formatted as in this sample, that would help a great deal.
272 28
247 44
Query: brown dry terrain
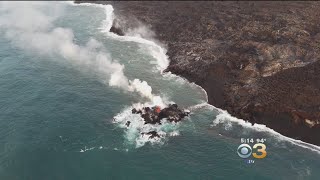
258 60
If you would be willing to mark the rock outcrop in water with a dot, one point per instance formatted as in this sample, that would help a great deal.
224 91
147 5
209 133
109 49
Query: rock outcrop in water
258 60
155 114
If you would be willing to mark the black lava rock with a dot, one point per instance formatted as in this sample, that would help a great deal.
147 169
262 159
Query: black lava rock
155 114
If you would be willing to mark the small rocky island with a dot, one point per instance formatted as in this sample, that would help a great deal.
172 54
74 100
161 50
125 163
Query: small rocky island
154 115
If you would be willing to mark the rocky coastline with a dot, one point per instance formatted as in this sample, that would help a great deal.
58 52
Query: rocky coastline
257 60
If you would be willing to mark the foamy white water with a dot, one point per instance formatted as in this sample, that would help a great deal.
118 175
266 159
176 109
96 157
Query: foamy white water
68 118
159 53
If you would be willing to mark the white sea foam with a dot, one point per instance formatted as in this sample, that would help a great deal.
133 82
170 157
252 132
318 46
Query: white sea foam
175 133
33 30
159 53
87 149
225 117
203 105
100 148
45 38
135 132
154 49
117 78
107 22
183 81
137 127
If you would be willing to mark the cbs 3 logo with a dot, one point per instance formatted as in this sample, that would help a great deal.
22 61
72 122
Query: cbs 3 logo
244 151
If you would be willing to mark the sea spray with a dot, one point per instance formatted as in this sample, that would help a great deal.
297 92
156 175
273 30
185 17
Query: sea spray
135 133
225 118
159 53
155 49
182 80
136 85
162 62
46 39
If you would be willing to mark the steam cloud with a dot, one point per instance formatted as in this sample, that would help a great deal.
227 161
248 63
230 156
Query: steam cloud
27 26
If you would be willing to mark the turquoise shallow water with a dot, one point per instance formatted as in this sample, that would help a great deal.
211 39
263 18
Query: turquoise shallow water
57 120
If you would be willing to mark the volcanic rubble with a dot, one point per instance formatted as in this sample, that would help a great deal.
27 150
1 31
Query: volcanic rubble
154 115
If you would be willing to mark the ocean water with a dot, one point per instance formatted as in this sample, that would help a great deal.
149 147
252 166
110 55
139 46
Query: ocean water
64 103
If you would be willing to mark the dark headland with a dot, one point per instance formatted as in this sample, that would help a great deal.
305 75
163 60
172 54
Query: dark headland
257 60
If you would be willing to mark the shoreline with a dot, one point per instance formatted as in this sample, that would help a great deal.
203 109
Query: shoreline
215 93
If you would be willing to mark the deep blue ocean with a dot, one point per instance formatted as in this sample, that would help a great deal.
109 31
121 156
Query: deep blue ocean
65 98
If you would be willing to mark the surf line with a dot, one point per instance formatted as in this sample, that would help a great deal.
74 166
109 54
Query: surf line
223 113
159 53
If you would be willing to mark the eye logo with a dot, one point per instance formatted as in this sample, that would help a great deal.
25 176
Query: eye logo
244 151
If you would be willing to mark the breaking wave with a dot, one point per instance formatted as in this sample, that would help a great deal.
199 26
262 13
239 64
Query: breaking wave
155 50
182 80
136 85
225 118
137 126
135 132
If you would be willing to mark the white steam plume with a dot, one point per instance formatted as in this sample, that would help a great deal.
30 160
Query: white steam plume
145 90
28 27
157 52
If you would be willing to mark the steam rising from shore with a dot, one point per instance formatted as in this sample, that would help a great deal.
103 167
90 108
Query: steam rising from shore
156 51
34 30
141 33
29 28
